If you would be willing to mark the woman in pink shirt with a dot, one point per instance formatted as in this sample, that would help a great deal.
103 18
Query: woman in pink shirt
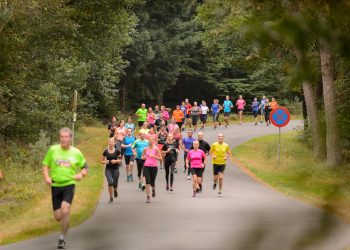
119 134
151 117
240 103
165 114
151 155
196 159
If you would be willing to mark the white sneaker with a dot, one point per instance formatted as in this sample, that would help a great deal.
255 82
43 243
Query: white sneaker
188 177
220 194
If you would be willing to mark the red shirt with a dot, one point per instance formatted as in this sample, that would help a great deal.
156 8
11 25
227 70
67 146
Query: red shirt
188 108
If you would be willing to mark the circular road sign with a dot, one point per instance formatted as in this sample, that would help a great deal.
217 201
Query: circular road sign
280 117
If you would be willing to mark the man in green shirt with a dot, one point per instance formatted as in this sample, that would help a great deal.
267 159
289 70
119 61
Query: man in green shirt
141 113
61 164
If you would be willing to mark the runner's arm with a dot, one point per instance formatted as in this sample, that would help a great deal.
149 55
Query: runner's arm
47 177
103 159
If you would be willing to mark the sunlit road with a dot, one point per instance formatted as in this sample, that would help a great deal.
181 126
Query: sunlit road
248 216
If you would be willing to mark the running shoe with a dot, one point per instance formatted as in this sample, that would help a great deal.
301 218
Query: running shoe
143 187
260 121
148 199
219 194
153 193
128 178
214 127
226 126
194 194
131 177
61 244
197 190
188 177
167 187
115 193
171 189
175 170
214 186
140 185
200 189
110 199
219 123
256 123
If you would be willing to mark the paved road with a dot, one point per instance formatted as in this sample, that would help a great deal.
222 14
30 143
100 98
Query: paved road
248 216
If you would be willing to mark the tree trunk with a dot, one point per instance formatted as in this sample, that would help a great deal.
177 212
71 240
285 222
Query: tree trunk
332 134
313 120
160 98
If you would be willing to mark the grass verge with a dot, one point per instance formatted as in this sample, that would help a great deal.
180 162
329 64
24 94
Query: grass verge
298 175
33 217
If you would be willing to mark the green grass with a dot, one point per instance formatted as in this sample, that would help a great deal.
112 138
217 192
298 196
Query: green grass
298 175
28 213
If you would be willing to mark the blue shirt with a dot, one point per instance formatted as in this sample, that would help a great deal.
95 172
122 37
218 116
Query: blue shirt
140 145
129 140
255 106
227 106
188 141
215 108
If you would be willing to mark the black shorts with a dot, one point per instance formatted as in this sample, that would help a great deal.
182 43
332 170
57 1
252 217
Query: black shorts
150 174
227 114
112 176
188 116
218 168
255 113
197 171
240 110
204 118
140 123
179 124
129 158
194 120
60 194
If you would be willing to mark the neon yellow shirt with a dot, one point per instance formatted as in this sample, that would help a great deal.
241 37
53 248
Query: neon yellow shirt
220 151
63 164
142 114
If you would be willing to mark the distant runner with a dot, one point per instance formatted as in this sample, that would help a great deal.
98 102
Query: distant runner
138 147
195 115
262 108
186 146
215 110
203 110
170 153
141 113
255 109
240 103
228 105
112 126
129 157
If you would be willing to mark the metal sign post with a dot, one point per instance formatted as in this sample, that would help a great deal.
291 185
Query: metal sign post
75 105
279 117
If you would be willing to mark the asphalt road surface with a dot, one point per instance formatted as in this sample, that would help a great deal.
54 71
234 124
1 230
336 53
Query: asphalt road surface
248 216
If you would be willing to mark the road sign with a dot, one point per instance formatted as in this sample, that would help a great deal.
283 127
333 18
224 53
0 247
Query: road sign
280 117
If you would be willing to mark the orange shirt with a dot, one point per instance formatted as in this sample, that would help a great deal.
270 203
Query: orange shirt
273 105
178 115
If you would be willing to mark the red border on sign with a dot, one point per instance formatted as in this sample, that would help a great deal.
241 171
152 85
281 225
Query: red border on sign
285 123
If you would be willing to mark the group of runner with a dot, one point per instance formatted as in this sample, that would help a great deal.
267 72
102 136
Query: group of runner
158 141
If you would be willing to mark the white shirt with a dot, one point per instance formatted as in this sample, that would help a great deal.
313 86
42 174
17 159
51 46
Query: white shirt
204 110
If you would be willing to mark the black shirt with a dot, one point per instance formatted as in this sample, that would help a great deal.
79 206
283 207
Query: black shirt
204 146
170 156
111 127
115 156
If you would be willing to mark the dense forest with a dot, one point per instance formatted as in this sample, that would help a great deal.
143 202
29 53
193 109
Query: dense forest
119 53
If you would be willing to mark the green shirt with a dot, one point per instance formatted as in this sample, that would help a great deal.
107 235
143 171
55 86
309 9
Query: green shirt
142 114
63 164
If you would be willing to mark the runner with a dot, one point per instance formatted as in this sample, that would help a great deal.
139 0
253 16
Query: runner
170 152
59 169
119 134
151 118
111 157
130 125
228 105
195 115
162 123
215 109
138 147
205 147
152 133
262 108
203 110
196 160
273 103
141 113
219 152
178 139
267 111
183 109
186 146
112 126
165 114
240 103
255 109
151 154
178 116
129 157
172 125
161 139
157 114
188 112
144 128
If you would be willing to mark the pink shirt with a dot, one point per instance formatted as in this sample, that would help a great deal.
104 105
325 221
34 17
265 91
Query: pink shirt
150 161
151 118
165 115
171 127
240 104
196 158
149 135
121 133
